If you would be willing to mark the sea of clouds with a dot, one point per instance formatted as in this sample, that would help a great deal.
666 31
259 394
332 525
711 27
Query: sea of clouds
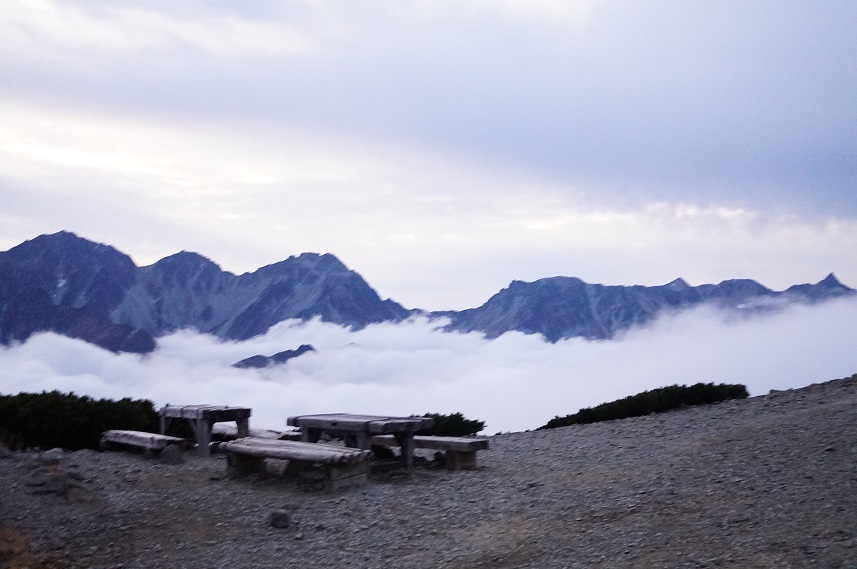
513 383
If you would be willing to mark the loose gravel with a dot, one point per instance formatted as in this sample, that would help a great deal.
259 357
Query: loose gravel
769 481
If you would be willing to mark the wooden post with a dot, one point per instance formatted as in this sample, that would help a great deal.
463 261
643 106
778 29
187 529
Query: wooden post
456 460
362 440
203 436
239 465
406 443
243 427
309 435
338 477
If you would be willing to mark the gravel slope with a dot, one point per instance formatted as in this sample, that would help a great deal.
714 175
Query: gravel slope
765 482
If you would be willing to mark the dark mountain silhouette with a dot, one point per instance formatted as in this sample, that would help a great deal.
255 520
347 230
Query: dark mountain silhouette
260 361
69 285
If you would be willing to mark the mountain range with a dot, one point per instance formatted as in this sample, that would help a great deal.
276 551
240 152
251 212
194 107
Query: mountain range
75 287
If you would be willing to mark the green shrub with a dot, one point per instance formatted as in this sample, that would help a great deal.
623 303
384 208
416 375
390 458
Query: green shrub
654 401
65 420
454 425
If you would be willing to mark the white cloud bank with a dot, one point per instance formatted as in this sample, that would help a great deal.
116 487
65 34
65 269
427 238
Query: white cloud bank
513 383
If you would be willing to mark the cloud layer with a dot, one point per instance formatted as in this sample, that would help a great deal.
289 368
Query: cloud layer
515 382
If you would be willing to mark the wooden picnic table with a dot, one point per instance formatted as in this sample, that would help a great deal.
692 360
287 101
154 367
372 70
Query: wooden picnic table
358 430
203 417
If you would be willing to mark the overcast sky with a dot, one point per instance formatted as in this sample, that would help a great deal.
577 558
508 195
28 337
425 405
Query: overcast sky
443 148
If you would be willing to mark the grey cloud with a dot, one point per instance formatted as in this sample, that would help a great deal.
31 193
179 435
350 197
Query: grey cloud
708 102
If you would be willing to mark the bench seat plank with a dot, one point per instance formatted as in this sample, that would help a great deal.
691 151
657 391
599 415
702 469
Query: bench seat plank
151 441
296 450
457 444
342 466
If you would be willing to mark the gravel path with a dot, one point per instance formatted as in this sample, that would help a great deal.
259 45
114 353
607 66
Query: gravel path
765 482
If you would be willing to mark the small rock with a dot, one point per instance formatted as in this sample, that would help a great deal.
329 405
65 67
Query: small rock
280 519
52 456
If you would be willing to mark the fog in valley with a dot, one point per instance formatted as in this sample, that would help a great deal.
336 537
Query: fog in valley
513 383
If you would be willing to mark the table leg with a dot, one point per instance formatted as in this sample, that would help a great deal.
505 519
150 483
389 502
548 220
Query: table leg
406 443
363 440
310 435
243 427
203 437
165 424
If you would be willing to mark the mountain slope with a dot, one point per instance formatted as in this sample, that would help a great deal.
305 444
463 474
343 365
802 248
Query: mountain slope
69 285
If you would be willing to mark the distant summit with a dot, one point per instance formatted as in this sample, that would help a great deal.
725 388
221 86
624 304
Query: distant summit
69 285
260 361
66 284
564 307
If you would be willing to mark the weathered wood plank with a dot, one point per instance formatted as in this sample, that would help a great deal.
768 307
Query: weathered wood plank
456 444
342 466
296 450
231 431
331 421
368 423
141 439
215 413
401 425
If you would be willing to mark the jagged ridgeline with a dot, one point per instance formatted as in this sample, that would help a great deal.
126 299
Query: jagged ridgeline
65 420
71 286
655 401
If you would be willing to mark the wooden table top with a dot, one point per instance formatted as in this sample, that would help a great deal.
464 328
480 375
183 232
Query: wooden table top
376 424
221 412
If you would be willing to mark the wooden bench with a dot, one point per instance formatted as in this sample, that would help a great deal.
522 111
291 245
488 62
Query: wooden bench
459 452
342 466
149 442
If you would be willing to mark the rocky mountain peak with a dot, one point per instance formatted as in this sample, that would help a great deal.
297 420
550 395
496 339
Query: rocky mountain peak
678 285
827 288
831 282
65 250
184 267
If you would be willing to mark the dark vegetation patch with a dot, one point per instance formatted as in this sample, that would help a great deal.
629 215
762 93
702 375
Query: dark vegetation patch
65 420
453 425
654 401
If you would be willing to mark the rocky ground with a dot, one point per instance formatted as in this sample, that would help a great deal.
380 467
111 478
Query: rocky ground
765 482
